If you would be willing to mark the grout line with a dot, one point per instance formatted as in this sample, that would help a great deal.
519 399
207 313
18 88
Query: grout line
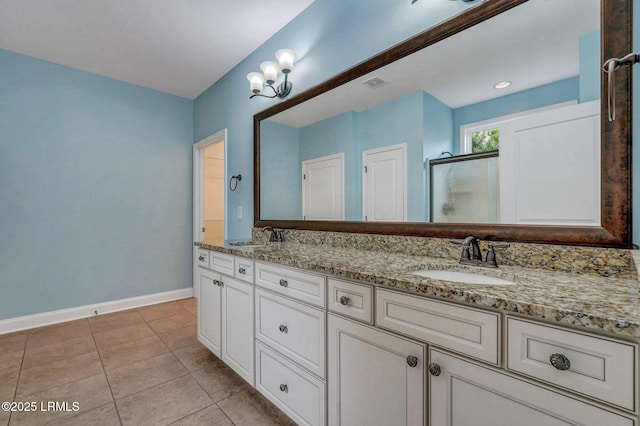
15 389
106 377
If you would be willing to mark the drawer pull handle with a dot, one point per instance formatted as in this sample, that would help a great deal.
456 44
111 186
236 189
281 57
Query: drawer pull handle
283 329
412 361
242 270
284 388
560 362
284 283
201 258
434 369
344 300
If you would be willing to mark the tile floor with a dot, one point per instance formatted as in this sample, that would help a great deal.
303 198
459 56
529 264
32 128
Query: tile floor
137 367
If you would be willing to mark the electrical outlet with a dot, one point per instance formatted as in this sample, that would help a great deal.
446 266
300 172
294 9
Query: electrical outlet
239 212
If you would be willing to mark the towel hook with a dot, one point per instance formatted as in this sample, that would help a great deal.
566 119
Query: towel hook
610 67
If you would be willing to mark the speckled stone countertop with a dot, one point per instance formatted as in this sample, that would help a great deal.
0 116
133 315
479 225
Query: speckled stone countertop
610 305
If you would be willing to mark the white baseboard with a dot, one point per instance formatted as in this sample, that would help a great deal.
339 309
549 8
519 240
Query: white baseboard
53 317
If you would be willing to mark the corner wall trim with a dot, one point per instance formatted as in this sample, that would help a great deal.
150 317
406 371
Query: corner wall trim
53 317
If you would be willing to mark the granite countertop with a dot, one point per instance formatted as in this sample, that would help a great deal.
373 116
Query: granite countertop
610 305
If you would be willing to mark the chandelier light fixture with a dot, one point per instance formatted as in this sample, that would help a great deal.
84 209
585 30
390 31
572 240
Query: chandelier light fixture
269 75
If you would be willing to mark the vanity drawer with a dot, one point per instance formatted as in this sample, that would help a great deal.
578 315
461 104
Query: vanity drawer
295 330
244 269
598 367
299 394
303 286
202 258
465 330
351 299
221 262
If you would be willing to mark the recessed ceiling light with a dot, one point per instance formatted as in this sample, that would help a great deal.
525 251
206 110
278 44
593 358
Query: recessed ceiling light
502 84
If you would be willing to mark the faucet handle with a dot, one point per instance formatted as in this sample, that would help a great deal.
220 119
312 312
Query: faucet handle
490 261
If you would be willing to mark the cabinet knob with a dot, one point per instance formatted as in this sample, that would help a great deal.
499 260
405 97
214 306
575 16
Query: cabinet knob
221 283
216 282
201 258
283 328
434 369
284 388
242 270
412 361
344 300
284 283
560 362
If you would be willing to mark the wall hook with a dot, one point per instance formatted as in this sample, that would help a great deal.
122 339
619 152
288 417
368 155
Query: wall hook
610 67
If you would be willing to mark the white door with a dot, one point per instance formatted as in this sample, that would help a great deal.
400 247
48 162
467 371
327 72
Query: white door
209 309
465 393
370 380
550 167
323 188
384 197
237 327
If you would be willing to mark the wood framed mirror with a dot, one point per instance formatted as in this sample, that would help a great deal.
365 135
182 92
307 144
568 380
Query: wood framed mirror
614 228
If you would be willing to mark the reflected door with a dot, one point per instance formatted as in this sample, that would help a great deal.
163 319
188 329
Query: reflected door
323 188
384 184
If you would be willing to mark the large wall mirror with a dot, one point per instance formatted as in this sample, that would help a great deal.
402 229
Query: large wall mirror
489 124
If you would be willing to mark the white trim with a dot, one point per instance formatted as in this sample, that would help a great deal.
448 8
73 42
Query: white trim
402 146
54 317
467 129
198 194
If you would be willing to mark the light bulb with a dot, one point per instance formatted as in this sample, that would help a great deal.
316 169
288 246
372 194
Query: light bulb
285 58
256 82
270 70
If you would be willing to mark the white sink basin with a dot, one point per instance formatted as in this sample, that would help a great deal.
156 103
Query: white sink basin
462 277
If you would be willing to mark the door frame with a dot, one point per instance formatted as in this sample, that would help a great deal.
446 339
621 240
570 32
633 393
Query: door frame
402 146
198 194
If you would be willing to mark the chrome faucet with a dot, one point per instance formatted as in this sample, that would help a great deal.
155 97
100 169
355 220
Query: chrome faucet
277 235
474 257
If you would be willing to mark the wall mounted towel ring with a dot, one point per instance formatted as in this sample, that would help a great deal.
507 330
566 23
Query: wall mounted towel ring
233 182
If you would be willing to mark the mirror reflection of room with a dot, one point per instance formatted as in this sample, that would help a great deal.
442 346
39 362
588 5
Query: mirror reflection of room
411 136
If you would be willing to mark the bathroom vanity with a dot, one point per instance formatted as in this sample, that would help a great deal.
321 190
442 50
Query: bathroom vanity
354 336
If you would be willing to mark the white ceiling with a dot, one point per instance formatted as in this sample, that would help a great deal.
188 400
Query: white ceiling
176 46
533 44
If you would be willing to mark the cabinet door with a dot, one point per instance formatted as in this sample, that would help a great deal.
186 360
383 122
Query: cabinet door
237 327
209 310
370 380
465 393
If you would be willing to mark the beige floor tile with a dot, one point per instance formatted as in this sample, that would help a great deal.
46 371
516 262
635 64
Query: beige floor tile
7 391
122 335
162 310
89 393
39 355
144 374
115 320
181 337
128 353
4 418
196 356
101 416
219 381
210 416
190 305
250 408
12 342
178 398
10 362
57 333
174 322
58 373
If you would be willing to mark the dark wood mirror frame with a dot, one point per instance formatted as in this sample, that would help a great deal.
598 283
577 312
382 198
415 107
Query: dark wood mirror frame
615 229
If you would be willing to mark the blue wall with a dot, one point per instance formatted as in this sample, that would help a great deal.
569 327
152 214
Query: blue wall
329 37
280 165
95 188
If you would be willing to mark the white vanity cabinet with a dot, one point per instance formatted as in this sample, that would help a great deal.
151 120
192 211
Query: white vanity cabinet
464 393
375 377
225 316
